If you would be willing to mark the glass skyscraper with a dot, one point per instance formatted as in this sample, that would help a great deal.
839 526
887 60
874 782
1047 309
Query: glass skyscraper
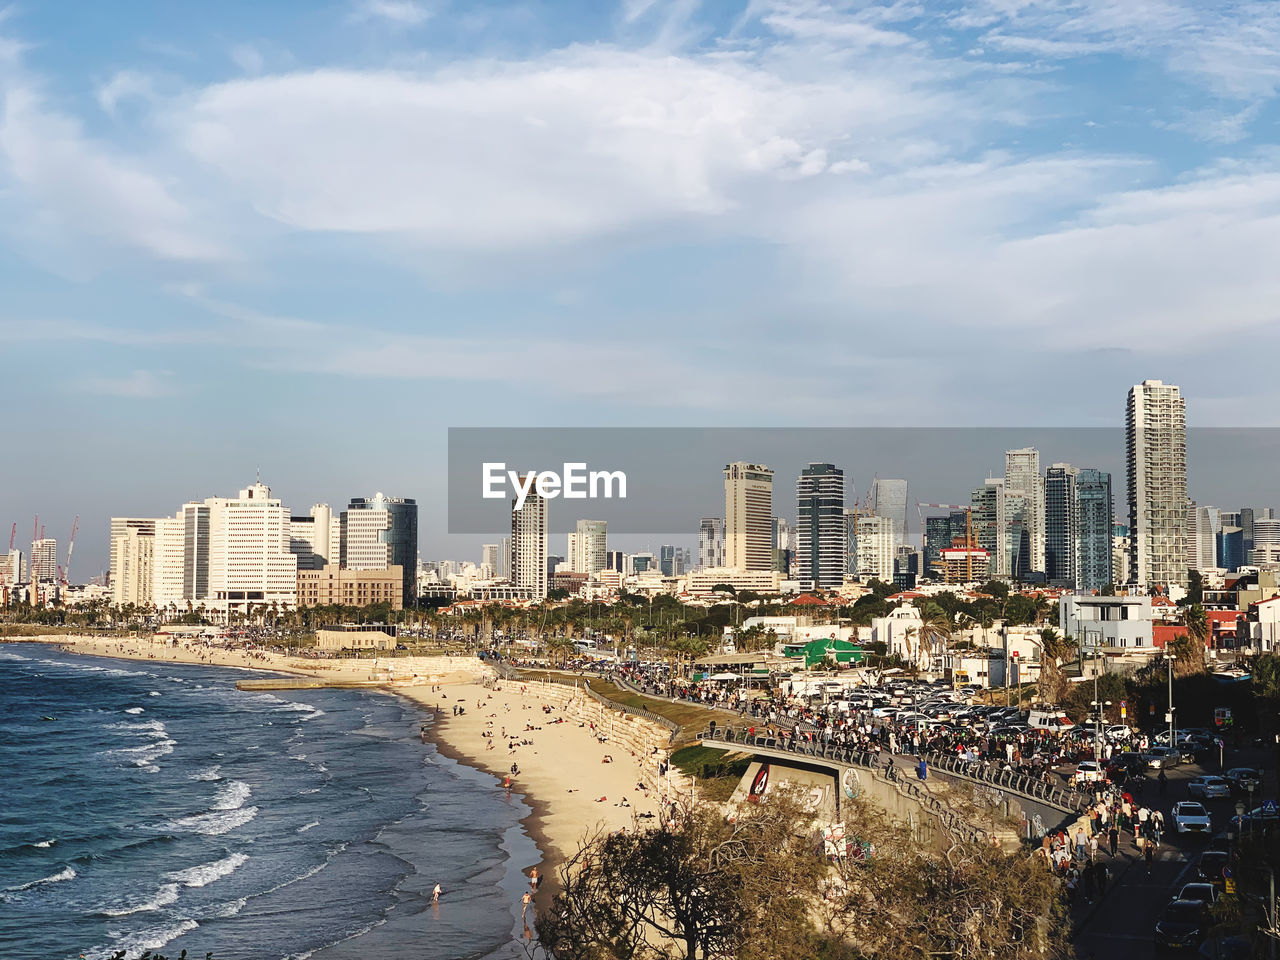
380 532
820 556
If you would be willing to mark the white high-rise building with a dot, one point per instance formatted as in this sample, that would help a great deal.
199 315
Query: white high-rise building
167 566
251 567
44 559
1156 450
316 540
748 516
1023 482
711 543
13 568
587 547
489 558
132 560
876 543
528 559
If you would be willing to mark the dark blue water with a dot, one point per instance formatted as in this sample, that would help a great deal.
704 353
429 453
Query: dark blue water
164 808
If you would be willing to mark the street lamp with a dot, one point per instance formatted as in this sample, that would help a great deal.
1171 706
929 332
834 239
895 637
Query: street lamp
1170 658
1098 706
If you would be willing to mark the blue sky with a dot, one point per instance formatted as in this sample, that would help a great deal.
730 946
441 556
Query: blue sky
311 236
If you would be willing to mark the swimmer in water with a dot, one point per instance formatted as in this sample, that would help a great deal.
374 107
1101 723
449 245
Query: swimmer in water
435 894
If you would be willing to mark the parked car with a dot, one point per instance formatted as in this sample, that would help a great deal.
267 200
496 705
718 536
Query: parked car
1265 816
1191 817
1119 731
1182 923
1211 864
1204 892
1209 788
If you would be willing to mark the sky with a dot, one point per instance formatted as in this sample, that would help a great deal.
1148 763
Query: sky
309 237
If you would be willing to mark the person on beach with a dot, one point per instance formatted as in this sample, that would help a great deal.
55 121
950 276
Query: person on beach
524 904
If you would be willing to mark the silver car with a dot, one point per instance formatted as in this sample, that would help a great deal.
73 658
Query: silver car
1209 788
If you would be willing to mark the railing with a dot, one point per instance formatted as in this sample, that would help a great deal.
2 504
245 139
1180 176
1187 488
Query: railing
1067 800
634 711
955 825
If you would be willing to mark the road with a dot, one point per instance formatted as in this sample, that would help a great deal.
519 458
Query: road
1121 925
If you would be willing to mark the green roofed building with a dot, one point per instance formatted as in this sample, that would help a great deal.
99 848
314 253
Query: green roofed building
815 651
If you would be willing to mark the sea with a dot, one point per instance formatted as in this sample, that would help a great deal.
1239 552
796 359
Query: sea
155 806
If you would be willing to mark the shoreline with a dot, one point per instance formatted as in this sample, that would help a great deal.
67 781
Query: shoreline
556 780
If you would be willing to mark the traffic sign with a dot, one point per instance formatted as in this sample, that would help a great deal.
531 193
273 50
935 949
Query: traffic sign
1269 807
1231 885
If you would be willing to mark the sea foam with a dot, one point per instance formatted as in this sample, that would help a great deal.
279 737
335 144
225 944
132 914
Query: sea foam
206 873
214 824
166 895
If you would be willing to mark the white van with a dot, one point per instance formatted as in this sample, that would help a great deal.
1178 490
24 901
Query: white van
1049 718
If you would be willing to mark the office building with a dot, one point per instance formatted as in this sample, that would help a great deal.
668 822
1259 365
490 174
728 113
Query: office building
316 539
133 542
44 559
990 529
379 532
1266 541
587 547
1203 524
1093 546
489 558
711 543
615 560
748 516
528 558
1156 453
1061 520
250 566
1231 553
1022 480
889 499
1078 527
333 586
1246 527
820 525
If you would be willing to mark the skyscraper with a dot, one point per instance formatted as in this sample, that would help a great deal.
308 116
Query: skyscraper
1093 569
489 558
711 543
1061 521
249 564
820 523
748 516
528 560
1022 480
990 531
1156 459
889 499
379 532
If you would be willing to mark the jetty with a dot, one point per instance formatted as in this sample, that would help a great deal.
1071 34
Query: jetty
306 683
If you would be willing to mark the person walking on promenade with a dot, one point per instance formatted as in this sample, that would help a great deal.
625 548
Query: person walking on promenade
1113 839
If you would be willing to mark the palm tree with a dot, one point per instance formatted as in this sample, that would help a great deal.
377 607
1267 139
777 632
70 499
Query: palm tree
1053 650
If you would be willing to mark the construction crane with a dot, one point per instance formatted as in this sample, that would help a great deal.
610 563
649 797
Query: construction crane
968 530
71 547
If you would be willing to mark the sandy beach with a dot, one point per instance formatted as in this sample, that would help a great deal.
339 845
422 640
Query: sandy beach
563 773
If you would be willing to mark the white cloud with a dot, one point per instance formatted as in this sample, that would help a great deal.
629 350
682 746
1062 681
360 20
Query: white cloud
125 85
405 13
139 385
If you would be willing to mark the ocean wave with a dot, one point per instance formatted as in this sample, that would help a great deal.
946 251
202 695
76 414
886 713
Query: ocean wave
307 826
64 874
311 790
209 773
227 910
214 824
134 710
152 938
232 796
206 873
153 693
147 754
154 727
44 844
166 895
